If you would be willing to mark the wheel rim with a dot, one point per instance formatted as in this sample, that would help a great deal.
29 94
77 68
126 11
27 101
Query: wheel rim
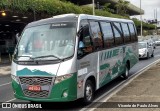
89 92
127 71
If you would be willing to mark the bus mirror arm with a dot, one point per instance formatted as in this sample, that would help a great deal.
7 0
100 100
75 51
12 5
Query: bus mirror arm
79 32
82 29
81 53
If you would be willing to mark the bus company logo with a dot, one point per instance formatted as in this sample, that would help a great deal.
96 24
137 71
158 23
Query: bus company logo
35 79
6 105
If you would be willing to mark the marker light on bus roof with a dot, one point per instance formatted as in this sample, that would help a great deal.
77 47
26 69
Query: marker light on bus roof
64 15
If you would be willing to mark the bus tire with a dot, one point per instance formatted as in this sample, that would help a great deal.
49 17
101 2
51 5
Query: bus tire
126 74
88 92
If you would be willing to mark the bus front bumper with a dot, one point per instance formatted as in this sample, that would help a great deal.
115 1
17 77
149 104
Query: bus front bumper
61 92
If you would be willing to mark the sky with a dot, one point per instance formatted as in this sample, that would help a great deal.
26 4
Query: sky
148 6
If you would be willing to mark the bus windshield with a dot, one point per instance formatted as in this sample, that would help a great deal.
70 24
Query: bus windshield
51 41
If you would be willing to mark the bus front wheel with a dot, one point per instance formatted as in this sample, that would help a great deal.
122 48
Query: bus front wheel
88 92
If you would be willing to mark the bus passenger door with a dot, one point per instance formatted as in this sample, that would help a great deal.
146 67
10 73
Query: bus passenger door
86 63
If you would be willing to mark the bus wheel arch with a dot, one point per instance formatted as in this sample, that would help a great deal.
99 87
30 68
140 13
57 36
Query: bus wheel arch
89 89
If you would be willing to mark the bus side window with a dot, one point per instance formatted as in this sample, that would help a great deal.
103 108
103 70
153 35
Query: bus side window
84 45
132 31
117 34
126 33
118 26
107 34
96 35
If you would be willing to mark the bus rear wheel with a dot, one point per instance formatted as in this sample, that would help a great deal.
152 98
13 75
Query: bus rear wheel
88 92
126 74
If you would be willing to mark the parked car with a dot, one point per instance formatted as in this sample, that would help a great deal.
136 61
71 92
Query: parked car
157 42
146 50
152 42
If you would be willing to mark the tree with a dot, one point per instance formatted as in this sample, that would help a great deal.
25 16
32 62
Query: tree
122 7
107 8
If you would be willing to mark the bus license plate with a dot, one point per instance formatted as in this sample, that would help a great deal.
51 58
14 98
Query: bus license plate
34 88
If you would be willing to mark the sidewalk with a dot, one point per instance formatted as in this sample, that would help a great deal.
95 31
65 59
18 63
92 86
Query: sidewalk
5 69
144 88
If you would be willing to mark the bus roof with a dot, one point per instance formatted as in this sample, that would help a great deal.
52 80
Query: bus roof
85 16
74 17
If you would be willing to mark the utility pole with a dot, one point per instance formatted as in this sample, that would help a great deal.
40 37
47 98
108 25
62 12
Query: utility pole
141 18
155 19
156 22
98 5
93 3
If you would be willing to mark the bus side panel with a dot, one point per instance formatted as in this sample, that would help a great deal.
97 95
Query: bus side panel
111 65
131 54
135 57
113 61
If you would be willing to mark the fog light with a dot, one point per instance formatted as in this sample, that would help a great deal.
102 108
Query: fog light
65 94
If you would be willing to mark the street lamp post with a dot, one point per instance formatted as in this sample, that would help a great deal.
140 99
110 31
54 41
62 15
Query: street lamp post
141 18
98 5
156 21
93 3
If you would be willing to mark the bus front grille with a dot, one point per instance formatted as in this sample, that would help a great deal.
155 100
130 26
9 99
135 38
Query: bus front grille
36 80
44 82
41 94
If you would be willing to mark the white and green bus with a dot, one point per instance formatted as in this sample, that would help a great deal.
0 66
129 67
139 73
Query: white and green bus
70 56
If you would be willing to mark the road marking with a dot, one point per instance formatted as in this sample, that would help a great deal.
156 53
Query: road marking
118 87
10 100
5 84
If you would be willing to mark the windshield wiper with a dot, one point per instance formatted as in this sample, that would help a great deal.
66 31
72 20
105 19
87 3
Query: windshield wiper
47 56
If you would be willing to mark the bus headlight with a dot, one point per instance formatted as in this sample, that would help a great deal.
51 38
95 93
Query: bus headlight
61 78
15 78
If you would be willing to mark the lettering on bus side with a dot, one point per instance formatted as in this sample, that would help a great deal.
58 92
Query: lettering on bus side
84 64
109 54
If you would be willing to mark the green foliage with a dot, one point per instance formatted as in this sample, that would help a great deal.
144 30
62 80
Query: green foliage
50 7
107 8
122 7
146 26
55 7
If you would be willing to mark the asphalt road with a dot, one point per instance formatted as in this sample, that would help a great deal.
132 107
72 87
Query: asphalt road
6 93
